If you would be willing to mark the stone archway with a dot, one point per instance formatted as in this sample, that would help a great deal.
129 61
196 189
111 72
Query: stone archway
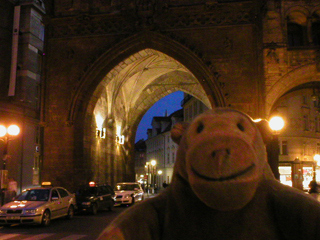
299 76
143 74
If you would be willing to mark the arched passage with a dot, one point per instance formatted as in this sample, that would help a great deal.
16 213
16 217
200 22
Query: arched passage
299 76
120 87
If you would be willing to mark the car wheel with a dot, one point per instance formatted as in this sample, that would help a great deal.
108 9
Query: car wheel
46 218
70 212
94 209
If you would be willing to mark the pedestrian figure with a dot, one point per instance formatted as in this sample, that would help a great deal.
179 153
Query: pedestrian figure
313 191
11 190
164 185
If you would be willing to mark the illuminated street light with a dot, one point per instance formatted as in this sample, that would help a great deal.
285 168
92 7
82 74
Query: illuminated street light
153 173
276 123
153 163
5 133
317 159
147 173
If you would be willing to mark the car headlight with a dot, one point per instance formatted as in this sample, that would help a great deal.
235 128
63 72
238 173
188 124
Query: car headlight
86 203
30 211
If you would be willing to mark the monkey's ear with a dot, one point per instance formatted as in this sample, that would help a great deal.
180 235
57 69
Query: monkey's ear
178 130
265 130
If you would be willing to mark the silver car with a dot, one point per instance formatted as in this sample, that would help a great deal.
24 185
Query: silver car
127 193
38 206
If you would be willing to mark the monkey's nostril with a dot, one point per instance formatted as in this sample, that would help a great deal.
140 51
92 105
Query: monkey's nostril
221 153
200 127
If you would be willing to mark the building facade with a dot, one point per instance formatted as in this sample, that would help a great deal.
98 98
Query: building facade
77 76
22 43
161 148
159 145
300 139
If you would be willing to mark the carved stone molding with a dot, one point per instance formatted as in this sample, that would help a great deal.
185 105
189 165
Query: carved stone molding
152 15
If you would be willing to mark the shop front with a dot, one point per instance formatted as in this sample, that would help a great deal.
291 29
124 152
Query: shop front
298 173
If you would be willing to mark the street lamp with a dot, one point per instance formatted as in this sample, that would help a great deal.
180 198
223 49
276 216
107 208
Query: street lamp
5 134
276 123
153 175
147 173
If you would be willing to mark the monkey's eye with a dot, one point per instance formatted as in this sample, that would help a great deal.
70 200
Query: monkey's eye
241 127
200 127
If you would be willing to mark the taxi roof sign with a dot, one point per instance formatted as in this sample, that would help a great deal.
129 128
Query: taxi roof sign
46 184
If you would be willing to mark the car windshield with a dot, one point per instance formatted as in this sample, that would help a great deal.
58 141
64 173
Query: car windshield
34 195
87 191
128 187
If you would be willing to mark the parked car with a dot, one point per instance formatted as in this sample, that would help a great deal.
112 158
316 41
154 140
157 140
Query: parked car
39 206
127 193
93 197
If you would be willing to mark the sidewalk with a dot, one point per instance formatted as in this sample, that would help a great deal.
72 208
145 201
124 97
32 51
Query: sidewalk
149 195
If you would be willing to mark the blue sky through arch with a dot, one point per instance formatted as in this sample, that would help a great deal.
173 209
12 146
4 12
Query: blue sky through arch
169 103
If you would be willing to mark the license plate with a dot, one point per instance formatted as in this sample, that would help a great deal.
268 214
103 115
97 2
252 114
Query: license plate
13 217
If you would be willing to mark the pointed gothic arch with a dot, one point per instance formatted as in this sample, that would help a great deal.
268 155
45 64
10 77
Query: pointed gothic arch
121 57
105 63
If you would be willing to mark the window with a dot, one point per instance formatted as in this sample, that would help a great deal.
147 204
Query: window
295 35
54 194
63 193
306 123
297 23
284 148
318 148
315 28
316 33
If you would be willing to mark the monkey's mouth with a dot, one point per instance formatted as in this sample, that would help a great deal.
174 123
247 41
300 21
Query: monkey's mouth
220 179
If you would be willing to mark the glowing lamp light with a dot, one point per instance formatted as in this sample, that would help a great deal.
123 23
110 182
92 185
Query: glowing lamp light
153 162
118 132
119 137
100 131
317 159
99 121
3 131
276 123
13 130
160 172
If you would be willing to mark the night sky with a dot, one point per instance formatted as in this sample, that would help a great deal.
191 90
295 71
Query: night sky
171 103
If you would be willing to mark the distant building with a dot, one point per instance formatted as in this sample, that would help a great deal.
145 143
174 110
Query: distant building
192 107
299 141
140 160
161 148
159 145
